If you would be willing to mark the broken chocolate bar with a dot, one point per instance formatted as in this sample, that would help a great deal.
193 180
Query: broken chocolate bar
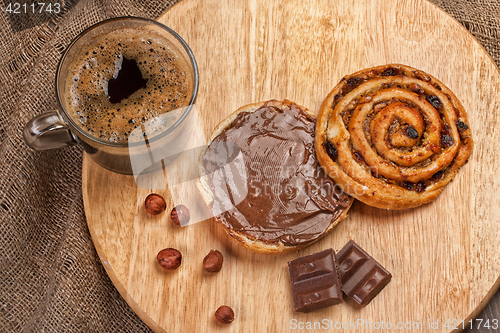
315 281
362 276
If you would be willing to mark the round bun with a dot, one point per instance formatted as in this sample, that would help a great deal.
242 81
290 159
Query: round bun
392 136
246 239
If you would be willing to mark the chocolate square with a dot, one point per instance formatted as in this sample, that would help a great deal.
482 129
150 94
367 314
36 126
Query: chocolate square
315 282
362 277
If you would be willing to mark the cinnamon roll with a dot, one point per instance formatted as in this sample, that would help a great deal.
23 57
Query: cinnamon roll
392 136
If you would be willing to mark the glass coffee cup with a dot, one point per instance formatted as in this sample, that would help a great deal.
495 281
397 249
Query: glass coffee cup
126 89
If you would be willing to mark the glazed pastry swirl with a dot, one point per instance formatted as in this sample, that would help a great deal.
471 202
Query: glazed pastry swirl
392 136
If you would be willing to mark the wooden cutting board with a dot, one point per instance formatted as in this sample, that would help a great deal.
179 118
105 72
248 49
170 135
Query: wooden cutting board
444 257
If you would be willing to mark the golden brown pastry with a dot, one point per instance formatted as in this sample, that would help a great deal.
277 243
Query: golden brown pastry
273 197
392 136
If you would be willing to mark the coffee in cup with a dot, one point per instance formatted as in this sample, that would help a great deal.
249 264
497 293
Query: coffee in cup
123 79
125 87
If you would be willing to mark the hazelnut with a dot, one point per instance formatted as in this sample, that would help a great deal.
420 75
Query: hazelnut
180 215
213 261
169 258
224 314
155 204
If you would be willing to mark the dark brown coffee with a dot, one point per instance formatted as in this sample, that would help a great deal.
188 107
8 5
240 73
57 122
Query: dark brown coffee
124 80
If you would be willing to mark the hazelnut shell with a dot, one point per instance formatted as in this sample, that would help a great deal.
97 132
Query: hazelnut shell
169 258
213 261
180 215
155 204
224 314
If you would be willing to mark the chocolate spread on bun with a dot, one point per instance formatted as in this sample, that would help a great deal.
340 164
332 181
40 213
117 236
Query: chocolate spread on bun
290 201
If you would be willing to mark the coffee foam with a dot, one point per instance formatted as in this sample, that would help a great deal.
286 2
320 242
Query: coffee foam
169 85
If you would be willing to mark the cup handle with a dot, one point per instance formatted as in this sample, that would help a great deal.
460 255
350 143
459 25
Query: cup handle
48 131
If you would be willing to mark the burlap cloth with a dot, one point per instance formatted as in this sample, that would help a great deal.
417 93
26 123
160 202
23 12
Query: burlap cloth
51 279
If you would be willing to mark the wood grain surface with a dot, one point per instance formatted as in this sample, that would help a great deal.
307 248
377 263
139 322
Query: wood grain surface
444 256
